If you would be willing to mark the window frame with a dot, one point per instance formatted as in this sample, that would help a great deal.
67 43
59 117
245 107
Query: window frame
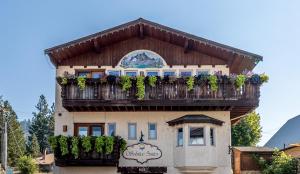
189 140
108 129
184 71
119 72
214 136
177 137
132 138
202 70
89 125
152 71
155 138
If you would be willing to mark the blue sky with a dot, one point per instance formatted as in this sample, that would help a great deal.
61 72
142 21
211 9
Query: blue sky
270 28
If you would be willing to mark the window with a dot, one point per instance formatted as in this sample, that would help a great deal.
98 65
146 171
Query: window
111 129
88 129
180 137
131 73
97 74
202 72
152 73
114 73
212 136
131 131
169 73
83 74
83 131
152 131
186 73
196 136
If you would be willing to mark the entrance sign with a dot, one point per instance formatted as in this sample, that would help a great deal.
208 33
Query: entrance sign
142 152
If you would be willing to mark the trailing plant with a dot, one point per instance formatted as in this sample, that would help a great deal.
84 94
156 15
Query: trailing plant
190 83
240 80
63 142
126 83
26 165
264 78
152 81
140 87
109 144
123 145
213 82
81 82
75 149
64 80
99 144
53 142
86 143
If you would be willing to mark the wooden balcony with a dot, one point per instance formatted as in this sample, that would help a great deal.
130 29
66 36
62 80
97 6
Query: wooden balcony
109 97
91 158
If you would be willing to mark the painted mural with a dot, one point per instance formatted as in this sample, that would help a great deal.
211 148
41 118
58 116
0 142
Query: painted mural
142 59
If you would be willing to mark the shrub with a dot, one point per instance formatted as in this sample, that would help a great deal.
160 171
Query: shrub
26 165
152 81
281 164
190 83
240 80
264 78
81 82
75 149
109 145
63 142
99 144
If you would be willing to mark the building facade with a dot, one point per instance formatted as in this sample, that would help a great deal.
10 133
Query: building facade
168 94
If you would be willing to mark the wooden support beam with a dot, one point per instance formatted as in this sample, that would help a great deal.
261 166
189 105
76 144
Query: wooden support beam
141 31
97 46
186 45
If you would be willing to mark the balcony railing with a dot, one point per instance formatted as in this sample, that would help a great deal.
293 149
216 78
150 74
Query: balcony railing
99 96
91 158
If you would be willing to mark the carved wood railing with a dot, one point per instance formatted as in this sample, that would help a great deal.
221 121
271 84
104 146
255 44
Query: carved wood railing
95 90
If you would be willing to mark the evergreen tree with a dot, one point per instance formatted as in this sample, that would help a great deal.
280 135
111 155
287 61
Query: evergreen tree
34 147
15 135
248 131
41 124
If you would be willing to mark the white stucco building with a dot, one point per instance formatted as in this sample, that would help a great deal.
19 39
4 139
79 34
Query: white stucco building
177 122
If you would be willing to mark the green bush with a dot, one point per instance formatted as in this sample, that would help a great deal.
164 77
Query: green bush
190 81
281 164
140 87
213 81
86 143
126 83
109 144
99 144
75 149
152 81
63 142
81 82
26 165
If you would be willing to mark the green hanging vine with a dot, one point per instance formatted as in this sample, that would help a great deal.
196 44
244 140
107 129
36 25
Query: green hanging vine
109 144
75 149
86 143
152 81
140 87
240 80
213 82
126 83
63 142
264 78
53 142
64 80
81 82
99 144
190 81
123 145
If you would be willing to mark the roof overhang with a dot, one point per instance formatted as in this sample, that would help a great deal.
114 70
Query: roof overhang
144 28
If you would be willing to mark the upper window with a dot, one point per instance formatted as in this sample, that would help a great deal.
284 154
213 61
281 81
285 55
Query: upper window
142 59
132 131
111 129
203 72
180 137
152 73
83 74
114 73
169 73
212 136
186 73
196 136
131 73
97 74
88 129
152 131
